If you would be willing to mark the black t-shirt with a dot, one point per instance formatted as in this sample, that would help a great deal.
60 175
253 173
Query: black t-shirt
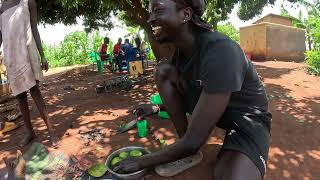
218 64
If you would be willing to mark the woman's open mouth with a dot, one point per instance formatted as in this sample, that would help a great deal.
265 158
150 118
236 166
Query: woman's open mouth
156 30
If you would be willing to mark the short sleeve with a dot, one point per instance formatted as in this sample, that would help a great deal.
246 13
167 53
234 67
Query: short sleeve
223 67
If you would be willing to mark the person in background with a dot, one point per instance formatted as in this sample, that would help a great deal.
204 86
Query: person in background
21 48
104 49
117 54
134 53
127 48
143 52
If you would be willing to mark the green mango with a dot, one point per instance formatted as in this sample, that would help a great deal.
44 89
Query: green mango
97 170
124 155
115 161
136 153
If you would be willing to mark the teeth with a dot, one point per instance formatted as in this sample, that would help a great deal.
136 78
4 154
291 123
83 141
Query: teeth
156 28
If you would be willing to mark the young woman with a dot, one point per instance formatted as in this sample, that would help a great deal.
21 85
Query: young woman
22 47
210 77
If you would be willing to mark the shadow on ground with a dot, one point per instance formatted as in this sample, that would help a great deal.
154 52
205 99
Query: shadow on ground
295 147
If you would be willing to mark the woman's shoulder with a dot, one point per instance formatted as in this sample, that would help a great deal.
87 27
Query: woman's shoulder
211 36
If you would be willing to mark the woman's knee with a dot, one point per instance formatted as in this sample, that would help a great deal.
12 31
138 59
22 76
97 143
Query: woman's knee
165 71
232 165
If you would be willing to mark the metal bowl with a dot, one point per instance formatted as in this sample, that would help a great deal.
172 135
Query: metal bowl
132 176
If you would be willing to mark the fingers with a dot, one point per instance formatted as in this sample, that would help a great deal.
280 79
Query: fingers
6 162
9 164
139 111
45 66
117 168
135 107
19 155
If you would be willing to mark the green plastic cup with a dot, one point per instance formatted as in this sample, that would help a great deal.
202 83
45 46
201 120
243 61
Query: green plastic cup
156 99
163 115
142 128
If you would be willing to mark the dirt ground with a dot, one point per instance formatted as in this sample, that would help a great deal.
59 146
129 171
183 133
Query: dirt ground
294 102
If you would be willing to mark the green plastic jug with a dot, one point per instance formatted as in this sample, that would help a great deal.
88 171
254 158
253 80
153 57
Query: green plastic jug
156 99
163 115
142 128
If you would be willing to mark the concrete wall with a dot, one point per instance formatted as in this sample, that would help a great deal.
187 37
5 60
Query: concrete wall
285 43
253 41
276 20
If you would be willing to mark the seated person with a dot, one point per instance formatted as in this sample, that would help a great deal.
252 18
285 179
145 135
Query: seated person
104 49
118 54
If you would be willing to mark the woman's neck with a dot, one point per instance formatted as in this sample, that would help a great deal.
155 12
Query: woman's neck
186 42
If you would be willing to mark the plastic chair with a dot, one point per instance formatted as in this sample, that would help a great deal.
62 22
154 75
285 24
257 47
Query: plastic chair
109 59
95 58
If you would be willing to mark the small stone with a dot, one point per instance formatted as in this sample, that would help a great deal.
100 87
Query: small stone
68 88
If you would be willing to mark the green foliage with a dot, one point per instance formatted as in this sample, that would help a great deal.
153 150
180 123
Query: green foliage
313 6
97 13
312 27
313 61
110 47
217 11
74 49
310 24
229 30
314 32
151 55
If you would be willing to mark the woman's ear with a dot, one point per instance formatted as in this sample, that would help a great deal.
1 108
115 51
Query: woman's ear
187 14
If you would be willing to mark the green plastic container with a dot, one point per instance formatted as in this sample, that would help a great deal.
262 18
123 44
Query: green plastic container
156 99
142 128
163 115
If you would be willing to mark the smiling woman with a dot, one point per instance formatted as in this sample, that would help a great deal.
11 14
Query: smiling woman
210 78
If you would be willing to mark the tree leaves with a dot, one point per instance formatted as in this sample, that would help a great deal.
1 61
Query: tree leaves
97 13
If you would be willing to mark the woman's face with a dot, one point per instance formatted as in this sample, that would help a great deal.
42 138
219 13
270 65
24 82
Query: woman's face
165 20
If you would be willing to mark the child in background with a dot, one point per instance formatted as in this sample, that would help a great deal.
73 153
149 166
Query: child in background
104 49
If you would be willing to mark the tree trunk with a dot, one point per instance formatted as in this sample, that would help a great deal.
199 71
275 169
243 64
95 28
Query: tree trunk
310 44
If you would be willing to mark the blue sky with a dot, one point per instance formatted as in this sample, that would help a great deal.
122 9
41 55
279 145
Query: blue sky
53 34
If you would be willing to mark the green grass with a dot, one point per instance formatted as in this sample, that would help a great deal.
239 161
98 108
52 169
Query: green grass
313 62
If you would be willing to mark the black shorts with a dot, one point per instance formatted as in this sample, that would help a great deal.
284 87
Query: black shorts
248 134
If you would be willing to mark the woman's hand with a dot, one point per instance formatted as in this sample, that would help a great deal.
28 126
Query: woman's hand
144 110
128 166
44 64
